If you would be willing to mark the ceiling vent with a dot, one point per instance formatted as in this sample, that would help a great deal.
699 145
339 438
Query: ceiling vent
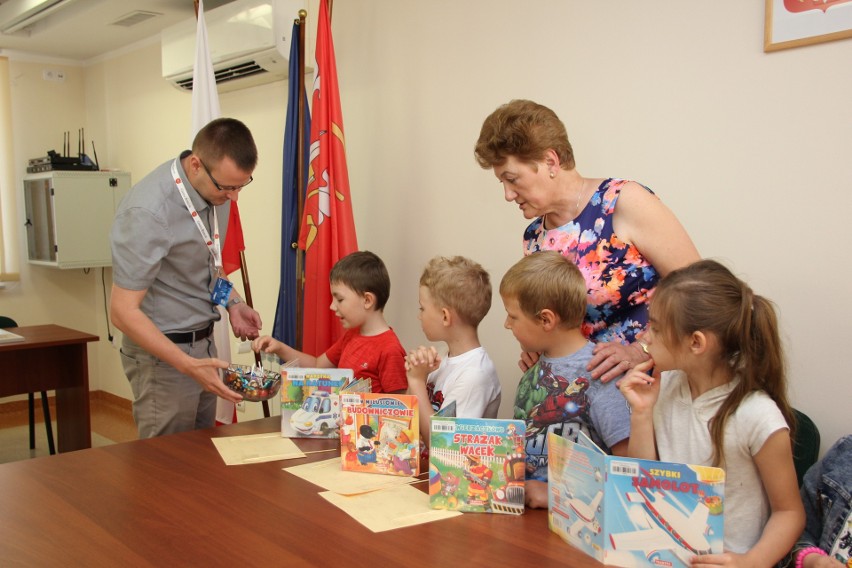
133 18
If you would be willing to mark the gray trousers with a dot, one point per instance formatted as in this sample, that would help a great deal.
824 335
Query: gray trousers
164 400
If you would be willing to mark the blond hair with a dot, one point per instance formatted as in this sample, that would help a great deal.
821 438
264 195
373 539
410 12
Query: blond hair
547 280
459 284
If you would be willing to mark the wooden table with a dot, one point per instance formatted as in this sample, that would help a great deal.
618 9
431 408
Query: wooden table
52 357
171 501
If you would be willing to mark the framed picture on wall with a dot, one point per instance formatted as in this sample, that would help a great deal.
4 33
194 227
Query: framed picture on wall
793 23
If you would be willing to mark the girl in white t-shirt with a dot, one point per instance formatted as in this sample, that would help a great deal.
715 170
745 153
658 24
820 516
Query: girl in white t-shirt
721 401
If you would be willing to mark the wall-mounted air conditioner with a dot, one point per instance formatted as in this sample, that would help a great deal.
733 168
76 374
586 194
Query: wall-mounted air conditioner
249 42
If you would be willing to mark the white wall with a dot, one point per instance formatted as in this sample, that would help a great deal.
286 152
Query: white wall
749 149
41 112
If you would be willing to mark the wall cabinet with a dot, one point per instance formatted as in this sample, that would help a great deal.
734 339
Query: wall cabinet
69 215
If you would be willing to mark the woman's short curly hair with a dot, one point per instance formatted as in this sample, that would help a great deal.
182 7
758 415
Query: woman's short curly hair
523 129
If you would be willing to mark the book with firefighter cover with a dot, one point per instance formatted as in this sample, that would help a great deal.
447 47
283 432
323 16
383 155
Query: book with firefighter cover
476 465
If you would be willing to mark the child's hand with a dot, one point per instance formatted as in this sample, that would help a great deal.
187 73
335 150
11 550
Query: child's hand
639 388
527 360
535 494
420 362
267 344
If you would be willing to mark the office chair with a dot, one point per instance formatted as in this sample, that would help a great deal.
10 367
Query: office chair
48 425
806 444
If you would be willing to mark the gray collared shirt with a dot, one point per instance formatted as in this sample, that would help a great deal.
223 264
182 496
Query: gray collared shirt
157 247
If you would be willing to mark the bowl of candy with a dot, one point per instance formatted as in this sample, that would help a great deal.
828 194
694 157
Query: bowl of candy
254 383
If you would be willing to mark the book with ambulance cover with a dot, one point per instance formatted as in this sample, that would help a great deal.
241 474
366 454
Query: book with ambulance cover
380 433
631 512
310 405
477 465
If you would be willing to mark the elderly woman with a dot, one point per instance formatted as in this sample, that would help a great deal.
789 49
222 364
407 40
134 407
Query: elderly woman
616 231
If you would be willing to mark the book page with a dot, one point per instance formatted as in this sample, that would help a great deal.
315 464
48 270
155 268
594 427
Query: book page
256 448
390 508
329 475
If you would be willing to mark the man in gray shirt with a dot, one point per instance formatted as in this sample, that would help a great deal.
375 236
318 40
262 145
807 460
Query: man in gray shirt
167 279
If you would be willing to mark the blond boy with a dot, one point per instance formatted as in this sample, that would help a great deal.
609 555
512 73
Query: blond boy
545 299
455 294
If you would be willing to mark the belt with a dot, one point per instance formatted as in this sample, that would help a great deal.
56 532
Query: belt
191 336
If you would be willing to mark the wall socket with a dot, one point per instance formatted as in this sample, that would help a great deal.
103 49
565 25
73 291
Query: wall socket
53 75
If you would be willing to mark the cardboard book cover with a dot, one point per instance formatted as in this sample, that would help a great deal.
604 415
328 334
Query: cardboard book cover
380 433
631 512
310 401
476 465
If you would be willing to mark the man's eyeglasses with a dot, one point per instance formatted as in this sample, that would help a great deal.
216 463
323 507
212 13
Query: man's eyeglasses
224 187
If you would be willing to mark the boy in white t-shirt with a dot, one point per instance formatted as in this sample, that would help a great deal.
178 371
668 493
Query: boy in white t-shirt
455 294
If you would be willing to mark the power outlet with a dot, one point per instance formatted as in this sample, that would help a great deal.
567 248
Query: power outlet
53 75
241 406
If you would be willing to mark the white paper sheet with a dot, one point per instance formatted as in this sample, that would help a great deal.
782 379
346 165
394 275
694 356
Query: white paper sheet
256 448
389 508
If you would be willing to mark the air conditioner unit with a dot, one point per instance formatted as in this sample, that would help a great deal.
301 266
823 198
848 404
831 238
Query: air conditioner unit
249 43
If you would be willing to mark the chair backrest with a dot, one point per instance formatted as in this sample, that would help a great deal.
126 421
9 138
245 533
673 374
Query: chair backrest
7 322
806 445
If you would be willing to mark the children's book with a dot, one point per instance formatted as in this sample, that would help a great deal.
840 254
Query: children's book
380 433
632 512
476 465
310 401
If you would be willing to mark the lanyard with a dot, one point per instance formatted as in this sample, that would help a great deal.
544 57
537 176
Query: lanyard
212 244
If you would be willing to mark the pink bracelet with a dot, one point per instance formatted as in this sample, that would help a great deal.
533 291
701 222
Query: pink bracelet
800 558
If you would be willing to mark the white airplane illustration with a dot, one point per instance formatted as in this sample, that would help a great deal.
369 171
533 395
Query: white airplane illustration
586 513
668 527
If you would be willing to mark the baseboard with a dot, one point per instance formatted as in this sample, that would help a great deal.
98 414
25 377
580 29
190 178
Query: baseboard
99 396
109 398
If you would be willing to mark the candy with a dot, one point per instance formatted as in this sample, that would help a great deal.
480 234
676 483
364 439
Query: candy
254 383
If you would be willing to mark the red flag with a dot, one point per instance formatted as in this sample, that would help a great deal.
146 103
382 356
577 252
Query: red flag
234 243
328 230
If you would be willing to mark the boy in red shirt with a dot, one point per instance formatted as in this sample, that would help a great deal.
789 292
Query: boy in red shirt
360 288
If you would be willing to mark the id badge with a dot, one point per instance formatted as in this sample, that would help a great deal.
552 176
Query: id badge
221 291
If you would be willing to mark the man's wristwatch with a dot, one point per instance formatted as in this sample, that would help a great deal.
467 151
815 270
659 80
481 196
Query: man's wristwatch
233 302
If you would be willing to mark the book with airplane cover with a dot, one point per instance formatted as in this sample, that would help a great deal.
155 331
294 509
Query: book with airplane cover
632 512
476 465
310 401
380 433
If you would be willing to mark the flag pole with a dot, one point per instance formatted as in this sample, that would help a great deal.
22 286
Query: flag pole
249 303
300 183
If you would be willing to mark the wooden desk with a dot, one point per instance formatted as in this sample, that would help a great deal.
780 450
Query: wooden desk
52 357
171 501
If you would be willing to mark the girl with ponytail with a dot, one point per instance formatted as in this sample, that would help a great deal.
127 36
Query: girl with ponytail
718 396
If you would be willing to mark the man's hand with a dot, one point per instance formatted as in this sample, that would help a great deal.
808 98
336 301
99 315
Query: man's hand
206 373
244 321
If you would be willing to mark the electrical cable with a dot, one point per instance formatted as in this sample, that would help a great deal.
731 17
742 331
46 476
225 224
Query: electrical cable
106 311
